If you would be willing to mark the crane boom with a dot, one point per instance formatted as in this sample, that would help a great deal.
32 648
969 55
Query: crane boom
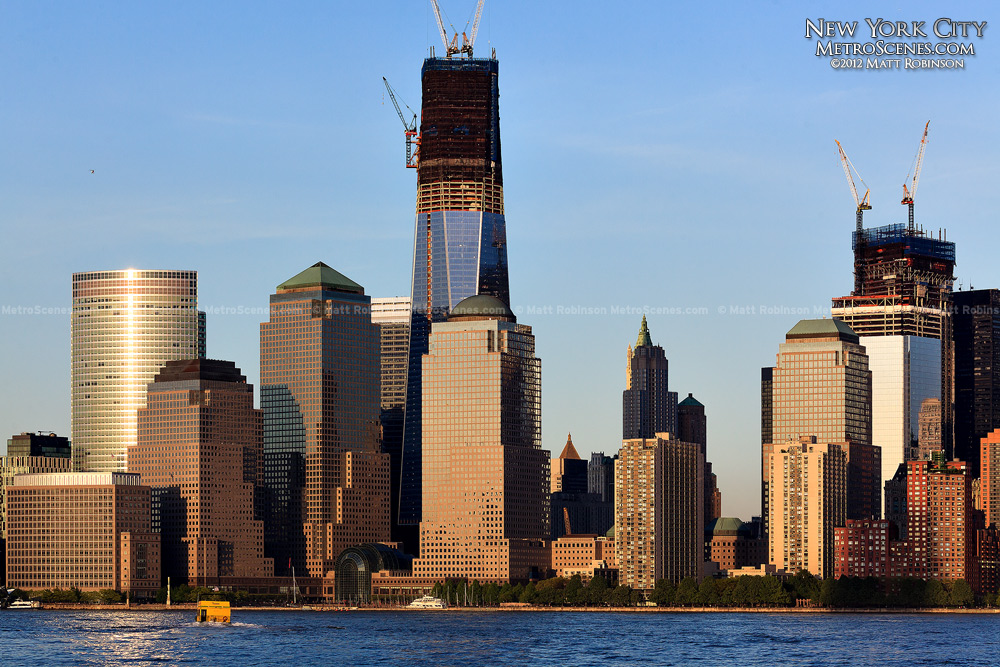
409 127
911 192
437 15
475 26
860 202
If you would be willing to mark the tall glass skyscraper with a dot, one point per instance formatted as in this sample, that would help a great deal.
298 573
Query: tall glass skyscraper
648 407
125 326
460 241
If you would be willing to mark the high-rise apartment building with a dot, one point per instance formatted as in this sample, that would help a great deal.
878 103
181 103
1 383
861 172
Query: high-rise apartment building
692 426
200 451
485 475
648 407
807 489
659 510
124 326
900 310
85 530
326 479
821 387
989 477
392 315
460 244
977 371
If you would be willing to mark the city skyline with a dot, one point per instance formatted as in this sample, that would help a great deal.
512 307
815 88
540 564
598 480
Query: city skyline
185 178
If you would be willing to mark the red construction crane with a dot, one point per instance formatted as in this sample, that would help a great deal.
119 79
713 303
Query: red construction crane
409 127
911 192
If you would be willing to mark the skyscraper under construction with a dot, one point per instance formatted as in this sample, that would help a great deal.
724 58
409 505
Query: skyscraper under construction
460 244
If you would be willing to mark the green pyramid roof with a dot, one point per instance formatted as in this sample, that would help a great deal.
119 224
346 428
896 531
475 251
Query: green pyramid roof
322 276
691 400
644 338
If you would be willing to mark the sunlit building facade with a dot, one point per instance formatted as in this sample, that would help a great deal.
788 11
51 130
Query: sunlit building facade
485 475
124 326
91 531
648 406
326 478
200 451
807 488
659 510
460 239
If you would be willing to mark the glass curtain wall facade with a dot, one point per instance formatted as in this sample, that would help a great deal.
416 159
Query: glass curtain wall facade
124 326
460 241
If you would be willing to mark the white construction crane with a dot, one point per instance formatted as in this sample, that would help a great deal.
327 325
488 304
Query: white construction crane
451 47
911 192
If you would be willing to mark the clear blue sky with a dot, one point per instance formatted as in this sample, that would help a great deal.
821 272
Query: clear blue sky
655 154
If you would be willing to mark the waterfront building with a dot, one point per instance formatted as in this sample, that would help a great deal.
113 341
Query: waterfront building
392 316
989 477
326 479
485 475
586 555
821 386
26 453
460 239
862 549
732 544
124 326
648 406
807 487
977 371
354 569
200 451
900 309
659 510
90 530
941 525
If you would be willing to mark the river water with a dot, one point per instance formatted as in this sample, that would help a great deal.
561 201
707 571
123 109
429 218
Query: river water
306 638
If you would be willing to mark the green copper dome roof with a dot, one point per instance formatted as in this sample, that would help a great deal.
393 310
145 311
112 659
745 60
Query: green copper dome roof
482 307
322 276
644 338
723 525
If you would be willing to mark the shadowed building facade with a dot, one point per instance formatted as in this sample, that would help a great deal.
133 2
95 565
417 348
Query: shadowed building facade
574 510
977 371
326 479
460 240
200 451
648 407
485 474
125 325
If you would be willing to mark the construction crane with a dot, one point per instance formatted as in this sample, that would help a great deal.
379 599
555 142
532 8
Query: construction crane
860 202
569 529
451 47
409 127
863 205
911 192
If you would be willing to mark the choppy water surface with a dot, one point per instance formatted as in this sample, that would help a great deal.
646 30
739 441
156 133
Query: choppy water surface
510 638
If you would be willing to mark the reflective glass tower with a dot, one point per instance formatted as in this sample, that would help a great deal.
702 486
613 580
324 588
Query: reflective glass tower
125 326
460 241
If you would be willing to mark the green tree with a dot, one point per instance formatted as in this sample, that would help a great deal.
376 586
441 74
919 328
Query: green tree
574 594
687 592
508 594
708 593
804 586
597 592
621 596
663 593
491 593
935 595
529 594
961 594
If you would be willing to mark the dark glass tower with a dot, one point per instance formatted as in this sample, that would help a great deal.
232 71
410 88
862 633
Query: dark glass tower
977 372
648 407
460 244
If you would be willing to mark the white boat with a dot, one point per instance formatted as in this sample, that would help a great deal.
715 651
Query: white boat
23 604
428 602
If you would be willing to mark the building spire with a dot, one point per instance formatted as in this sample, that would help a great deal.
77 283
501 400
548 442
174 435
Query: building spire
644 338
